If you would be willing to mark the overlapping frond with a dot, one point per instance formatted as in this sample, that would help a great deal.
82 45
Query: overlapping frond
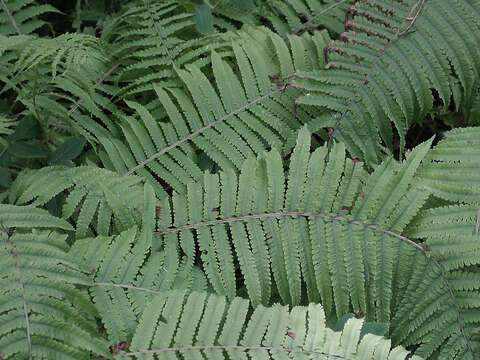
383 68
451 171
128 273
293 17
154 38
97 201
150 38
53 77
177 326
440 307
129 269
326 231
38 295
318 229
223 116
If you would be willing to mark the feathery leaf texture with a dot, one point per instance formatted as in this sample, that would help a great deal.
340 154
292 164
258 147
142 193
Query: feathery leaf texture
383 68
119 264
226 117
154 39
451 171
296 16
450 234
127 272
176 326
335 232
12 216
90 196
318 228
42 313
21 16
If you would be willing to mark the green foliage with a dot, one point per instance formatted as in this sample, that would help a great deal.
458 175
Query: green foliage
227 117
22 16
88 195
337 231
175 325
39 298
384 66
236 178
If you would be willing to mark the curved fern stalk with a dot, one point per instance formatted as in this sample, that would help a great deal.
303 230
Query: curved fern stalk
331 227
447 329
239 120
338 232
382 69
127 271
92 198
176 325
42 312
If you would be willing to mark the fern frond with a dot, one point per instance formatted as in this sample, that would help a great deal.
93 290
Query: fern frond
21 16
150 39
382 69
230 120
67 50
289 229
296 16
128 274
199 325
90 197
336 231
451 171
444 318
128 271
43 314
12 216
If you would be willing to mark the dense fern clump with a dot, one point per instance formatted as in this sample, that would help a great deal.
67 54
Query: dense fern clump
240 179
382 68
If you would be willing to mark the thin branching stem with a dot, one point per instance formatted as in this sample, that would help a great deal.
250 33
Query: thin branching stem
322 12
235 348
10 16
279 214
22 287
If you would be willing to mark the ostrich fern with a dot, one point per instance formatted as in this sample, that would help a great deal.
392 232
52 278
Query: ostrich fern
239 194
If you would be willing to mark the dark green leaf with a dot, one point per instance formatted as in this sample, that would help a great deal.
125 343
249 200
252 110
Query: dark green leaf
28 128
27 150
380 329
341 322
204 19
245 4
69 150
5 179
4 156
